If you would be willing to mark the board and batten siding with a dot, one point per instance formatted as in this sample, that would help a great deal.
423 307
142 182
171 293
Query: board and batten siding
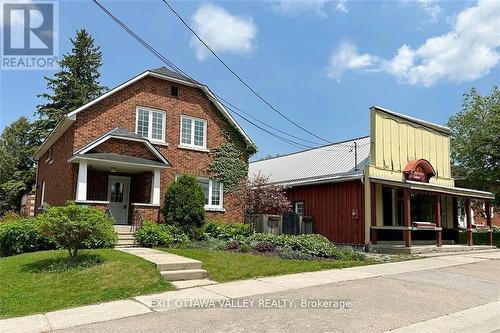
331 207
396 141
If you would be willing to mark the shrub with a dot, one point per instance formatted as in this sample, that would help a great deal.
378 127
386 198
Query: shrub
288 253
244 248
184 203
21 235
151 234
75 227
264 198
233 245
217 229
9 216
264 247
211 244
312 244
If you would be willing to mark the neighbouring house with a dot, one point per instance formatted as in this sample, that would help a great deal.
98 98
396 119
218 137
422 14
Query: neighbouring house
394 185
120 151
28 205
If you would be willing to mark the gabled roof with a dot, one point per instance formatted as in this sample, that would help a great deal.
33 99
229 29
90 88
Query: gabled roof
124 134
323 164
161 73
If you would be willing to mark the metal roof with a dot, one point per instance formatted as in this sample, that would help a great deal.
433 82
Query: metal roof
328 163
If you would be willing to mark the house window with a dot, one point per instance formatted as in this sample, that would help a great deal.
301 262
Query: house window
50 155
193 132
42 198
150 124
299 207
213 192
174 91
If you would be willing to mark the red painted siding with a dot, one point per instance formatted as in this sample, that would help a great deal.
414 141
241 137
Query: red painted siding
331 206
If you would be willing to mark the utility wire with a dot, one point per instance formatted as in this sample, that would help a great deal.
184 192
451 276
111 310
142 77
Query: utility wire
240 78
224 102
178 70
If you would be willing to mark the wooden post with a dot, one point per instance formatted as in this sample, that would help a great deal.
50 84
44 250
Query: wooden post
373 204
437 209
487 208
407 217
469 221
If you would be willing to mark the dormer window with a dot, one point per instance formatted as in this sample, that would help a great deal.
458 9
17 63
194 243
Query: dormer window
150 124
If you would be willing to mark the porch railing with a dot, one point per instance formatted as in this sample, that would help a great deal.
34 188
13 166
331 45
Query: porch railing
138 220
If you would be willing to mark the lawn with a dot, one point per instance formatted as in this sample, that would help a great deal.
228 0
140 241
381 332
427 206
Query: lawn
225 266
43 281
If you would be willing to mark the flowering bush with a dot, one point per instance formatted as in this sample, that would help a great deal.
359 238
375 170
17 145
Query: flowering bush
263 198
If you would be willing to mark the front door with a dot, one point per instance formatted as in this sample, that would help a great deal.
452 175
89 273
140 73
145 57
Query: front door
118 197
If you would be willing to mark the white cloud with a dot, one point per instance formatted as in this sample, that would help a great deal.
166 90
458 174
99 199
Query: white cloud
347 57
296 7
222 31
431 8
341 7
466 53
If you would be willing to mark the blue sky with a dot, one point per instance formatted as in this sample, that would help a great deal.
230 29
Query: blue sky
322 63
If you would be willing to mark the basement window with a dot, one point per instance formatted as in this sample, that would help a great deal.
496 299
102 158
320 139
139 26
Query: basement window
174 91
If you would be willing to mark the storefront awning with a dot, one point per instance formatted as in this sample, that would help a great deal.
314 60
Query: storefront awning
428 187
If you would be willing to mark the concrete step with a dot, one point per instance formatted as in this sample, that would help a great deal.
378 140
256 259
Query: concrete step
122 236
185 274
176 266
125 242
123 228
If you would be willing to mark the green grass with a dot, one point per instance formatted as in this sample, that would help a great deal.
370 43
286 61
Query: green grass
225 266
46 281
479 238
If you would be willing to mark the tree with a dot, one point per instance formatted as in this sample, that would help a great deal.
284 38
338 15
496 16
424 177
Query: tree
185 203
74 85
264 198
475 142
18 143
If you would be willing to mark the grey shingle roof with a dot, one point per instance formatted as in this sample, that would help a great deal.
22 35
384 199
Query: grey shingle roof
167 72
123 132
320 164
123 159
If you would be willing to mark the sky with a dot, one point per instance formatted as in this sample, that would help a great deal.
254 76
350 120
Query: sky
321 63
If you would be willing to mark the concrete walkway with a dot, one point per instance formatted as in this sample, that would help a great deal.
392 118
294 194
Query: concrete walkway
233 290
182 272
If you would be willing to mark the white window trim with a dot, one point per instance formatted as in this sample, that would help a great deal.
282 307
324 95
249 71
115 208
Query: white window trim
210 207
295 207
192 145
150 123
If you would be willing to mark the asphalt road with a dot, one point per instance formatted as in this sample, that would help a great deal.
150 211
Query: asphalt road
377 305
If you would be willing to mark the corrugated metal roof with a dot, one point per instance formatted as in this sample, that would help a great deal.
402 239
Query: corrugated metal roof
327 163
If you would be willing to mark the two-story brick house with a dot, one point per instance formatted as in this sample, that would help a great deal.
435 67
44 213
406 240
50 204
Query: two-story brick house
121 150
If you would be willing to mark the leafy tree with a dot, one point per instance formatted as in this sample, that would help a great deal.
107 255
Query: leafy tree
74 85
263 198
185 203
74 227
475 142
18 143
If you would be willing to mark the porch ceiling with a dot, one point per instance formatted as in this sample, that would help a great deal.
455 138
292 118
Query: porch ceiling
120 163
427 187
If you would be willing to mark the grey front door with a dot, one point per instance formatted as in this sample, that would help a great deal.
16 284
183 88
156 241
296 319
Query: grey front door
118 197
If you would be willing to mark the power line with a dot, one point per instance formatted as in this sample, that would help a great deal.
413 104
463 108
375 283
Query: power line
227 104
178 70
240 78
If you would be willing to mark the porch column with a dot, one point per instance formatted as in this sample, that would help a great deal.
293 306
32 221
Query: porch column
155 187
373 205
469 221
81 187
407 217
437 208
487 208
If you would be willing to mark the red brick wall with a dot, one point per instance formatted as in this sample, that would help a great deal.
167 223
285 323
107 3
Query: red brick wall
59 176
125 147
119 110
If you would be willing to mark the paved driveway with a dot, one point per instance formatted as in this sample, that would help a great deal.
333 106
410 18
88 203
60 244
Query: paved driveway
378 304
